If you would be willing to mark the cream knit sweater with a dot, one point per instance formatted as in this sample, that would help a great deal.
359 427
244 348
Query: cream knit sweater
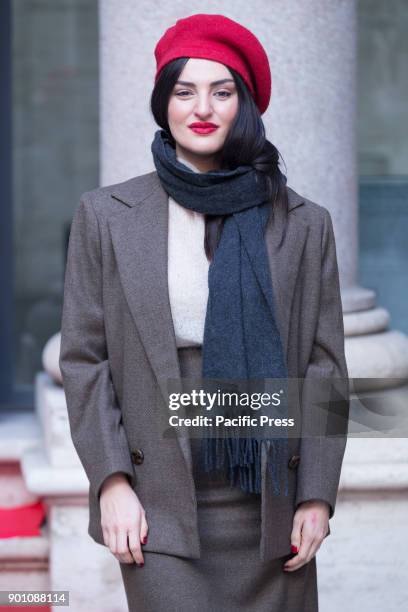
187 272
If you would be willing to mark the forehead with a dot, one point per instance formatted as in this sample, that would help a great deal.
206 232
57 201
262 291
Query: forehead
202 71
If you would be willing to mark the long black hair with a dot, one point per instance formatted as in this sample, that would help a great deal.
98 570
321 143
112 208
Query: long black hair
245 144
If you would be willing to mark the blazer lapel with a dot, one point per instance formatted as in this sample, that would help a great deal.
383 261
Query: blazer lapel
139 237
285 262
140 240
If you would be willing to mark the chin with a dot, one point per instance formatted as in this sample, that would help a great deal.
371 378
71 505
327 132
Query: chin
204 147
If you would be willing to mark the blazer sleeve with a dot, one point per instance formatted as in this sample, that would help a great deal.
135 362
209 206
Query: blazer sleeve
321 456
94 414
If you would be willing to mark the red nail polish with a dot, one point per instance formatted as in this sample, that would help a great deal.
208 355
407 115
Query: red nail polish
141 564
144 541
294 549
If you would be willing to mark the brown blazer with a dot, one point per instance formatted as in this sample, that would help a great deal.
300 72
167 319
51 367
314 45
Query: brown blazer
118 346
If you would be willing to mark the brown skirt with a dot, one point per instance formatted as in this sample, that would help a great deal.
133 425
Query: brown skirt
229 576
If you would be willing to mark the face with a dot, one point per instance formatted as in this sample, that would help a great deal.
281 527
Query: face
204 93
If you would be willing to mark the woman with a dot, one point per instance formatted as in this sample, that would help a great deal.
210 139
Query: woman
209 266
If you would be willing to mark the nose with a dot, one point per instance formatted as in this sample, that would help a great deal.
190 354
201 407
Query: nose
203 106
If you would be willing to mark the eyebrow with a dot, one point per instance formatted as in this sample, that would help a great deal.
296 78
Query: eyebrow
220 82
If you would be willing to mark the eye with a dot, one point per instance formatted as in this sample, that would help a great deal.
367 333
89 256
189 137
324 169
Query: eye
184 92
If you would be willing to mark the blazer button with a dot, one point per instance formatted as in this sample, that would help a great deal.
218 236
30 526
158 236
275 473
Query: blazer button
137 456
293 462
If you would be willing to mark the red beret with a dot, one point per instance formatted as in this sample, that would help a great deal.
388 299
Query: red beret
223 40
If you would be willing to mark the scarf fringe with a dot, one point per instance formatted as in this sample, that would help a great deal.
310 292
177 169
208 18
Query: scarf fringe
244 462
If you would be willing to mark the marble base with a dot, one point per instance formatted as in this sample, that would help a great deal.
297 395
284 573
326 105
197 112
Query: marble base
89 571
366 322
363 564
379 356
51 408
355 299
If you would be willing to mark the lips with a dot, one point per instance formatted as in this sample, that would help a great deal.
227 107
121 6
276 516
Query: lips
203 128
203 124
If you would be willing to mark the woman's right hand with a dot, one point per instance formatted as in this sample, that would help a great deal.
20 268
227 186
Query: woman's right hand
122 517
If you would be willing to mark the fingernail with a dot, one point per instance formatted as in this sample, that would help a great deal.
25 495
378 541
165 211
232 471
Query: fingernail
144 541
294 549
141 564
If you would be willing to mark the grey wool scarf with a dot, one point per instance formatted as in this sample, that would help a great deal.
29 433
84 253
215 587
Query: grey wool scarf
241 338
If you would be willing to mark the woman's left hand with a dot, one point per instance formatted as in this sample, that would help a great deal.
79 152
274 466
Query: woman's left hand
310 527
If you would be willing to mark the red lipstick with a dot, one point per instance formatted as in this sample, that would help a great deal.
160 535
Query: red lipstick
203 127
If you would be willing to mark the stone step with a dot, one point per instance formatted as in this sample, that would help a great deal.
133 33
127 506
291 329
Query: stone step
24 563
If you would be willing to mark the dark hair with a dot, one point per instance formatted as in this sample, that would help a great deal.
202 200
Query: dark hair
245 144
